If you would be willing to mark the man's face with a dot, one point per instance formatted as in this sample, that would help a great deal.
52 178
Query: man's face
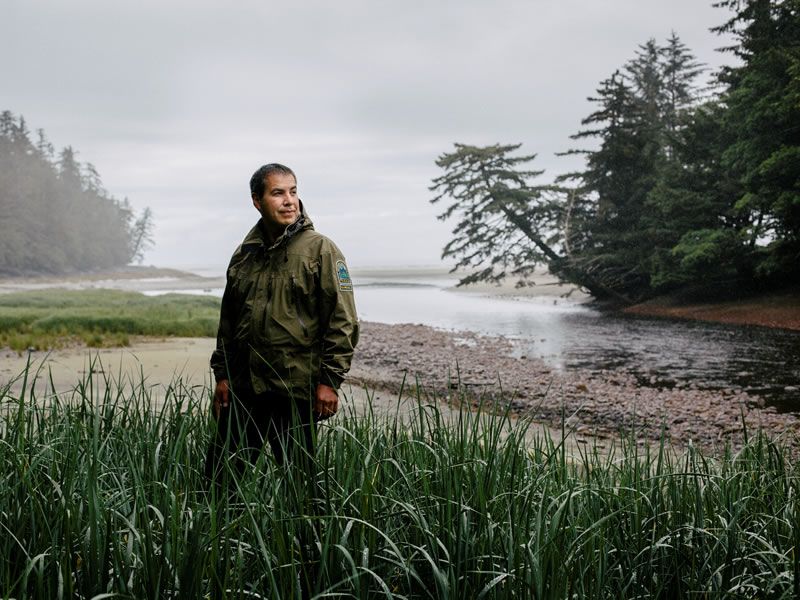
279 206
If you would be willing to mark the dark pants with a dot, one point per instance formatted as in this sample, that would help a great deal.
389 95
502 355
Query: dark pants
251 421
287 425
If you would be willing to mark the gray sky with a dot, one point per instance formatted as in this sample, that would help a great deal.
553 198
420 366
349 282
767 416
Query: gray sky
177 103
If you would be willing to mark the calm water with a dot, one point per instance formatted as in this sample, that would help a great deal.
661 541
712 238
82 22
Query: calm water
659 352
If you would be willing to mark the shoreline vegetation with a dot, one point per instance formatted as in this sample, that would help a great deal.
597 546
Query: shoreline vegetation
104 494
689 179
57 215
130 278
47 319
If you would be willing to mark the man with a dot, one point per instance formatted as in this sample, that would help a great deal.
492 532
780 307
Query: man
287 330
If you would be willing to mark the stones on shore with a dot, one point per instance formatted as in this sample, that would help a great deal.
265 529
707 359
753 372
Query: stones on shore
601 402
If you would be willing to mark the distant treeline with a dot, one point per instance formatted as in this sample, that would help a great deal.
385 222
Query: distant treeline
55 216
684 188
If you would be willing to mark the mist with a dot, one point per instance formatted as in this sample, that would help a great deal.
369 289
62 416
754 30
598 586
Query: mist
177 104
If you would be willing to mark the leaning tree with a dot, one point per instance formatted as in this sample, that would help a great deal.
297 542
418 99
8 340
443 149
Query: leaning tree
505 224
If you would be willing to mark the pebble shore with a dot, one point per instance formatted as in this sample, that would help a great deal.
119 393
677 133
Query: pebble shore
604 403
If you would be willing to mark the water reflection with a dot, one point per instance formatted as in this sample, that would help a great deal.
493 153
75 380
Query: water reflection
663 353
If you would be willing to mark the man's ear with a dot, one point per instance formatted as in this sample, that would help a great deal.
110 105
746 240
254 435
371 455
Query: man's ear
256 203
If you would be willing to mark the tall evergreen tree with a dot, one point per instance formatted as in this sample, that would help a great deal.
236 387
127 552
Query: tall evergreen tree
506 225
44 148
678 191
141 233
763 113
613 187
679 73
689 213
638 123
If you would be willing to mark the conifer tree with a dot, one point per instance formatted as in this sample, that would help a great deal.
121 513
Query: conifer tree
680 94
678 191
613 187
504 222
506 225
141 237
56 217
620 229
762 117
689 213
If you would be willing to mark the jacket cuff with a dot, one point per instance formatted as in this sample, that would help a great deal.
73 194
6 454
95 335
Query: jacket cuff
331 379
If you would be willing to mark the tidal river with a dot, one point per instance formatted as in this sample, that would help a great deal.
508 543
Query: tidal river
661 353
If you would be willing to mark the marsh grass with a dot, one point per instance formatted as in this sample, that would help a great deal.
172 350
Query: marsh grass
103 495
54 318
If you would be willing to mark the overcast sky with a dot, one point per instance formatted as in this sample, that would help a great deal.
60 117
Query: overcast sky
177 103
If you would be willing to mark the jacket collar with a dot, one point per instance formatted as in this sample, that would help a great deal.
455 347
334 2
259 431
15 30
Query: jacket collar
258 236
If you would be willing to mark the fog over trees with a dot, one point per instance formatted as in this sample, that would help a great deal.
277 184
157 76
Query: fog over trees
55 215
684 188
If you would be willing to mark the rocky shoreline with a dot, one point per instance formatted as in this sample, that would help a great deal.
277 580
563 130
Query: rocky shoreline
606 403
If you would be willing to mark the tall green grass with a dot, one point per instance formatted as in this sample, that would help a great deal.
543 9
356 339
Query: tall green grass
102 495
52 318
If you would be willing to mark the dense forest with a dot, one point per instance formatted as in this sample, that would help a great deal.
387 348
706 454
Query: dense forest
686 187
55 216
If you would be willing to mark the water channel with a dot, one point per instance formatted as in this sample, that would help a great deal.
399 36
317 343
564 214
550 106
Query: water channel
659 352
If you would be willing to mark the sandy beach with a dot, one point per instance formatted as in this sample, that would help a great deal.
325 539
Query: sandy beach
778 310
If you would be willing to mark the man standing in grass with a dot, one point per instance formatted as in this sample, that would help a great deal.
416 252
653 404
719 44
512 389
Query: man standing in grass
287 330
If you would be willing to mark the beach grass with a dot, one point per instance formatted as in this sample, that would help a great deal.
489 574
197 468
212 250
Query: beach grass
54 318
103 495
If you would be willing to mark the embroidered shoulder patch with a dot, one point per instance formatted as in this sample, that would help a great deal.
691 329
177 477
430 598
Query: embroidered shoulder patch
345 283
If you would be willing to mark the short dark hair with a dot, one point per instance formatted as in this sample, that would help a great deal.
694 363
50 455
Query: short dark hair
259 179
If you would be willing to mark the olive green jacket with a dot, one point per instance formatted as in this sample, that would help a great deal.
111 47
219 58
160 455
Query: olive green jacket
288 319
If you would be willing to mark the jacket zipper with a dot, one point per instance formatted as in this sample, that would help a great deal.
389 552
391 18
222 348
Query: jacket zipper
295 300
269 302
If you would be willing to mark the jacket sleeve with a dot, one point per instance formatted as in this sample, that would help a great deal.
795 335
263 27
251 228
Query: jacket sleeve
225 350
338 319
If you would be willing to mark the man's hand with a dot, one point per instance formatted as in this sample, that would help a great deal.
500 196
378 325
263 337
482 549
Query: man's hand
221 397
326 403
